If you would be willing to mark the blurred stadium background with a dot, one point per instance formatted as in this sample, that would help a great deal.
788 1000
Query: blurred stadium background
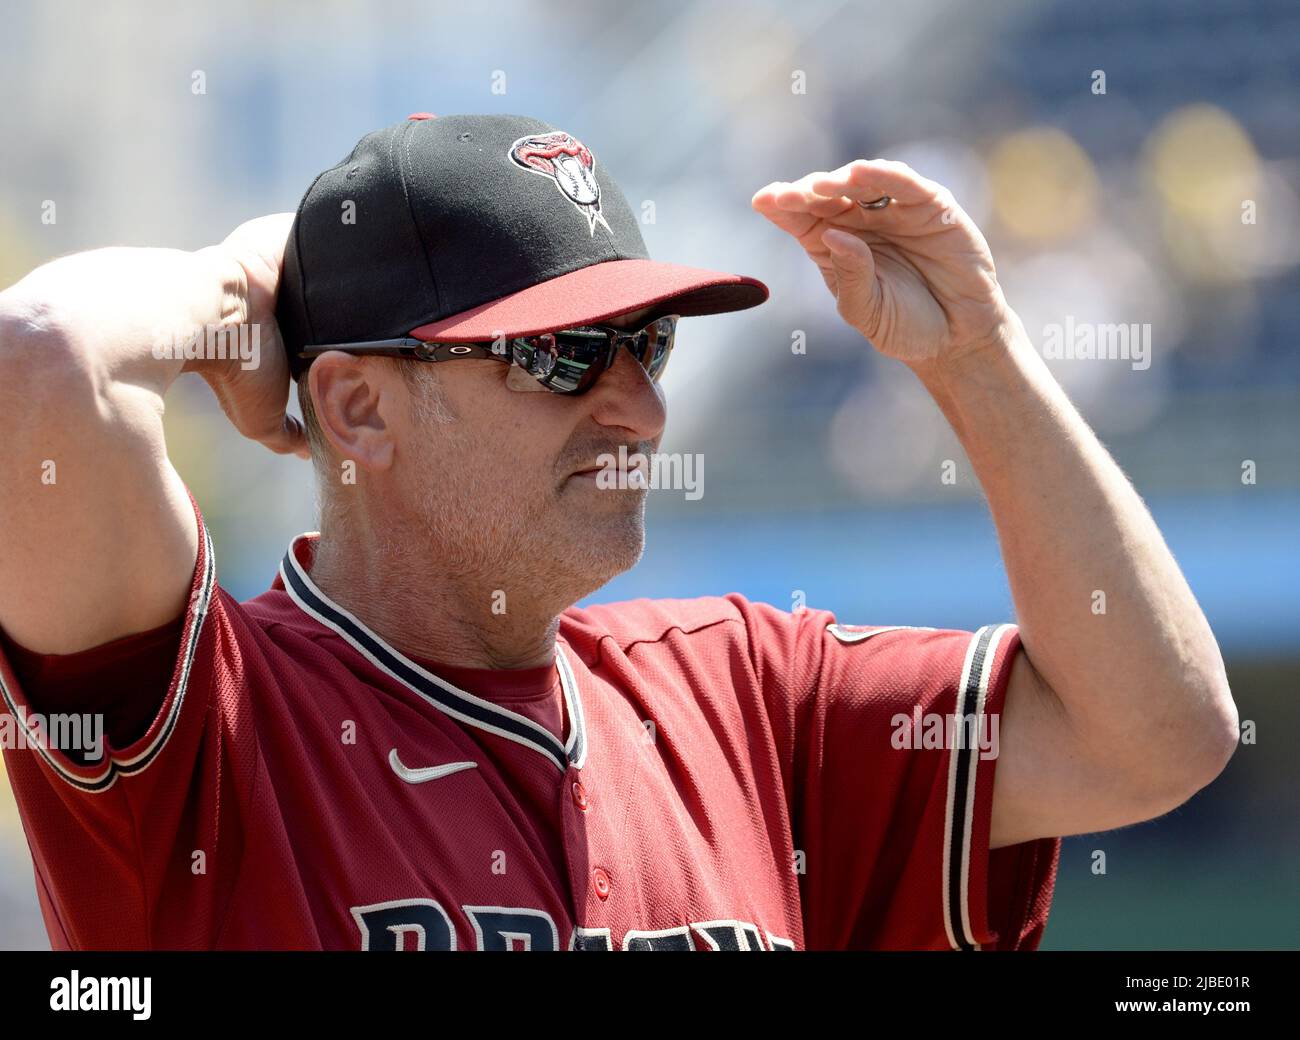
822 470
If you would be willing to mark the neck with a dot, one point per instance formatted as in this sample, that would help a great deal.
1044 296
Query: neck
459 617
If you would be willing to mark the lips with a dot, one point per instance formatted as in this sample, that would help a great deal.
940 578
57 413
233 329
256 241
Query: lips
629 459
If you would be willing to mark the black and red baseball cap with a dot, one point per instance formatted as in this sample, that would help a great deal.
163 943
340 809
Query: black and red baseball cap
463 228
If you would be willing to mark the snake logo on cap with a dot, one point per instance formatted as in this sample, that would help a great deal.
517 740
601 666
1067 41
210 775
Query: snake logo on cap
570 166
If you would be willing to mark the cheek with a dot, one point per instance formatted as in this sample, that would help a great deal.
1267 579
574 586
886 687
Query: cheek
505 442
532 433
503 459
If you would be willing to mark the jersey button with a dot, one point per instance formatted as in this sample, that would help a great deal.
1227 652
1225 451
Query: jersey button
600 882
580 795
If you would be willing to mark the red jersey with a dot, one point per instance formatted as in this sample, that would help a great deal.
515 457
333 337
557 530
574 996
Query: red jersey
711 774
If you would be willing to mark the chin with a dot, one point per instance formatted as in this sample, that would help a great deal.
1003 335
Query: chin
614 546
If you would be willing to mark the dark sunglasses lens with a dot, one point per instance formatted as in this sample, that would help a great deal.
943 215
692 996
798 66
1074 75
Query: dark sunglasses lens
570 362
659 344
565 362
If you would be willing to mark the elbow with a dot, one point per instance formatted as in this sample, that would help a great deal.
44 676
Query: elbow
39 364
1221 730
14 338
22 314
26 327
1213 720
1200 749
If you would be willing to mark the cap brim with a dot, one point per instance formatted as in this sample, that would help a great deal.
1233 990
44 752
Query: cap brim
595 293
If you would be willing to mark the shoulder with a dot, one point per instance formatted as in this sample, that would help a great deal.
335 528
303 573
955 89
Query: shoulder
271 638
624 624
275 608
709 634
729 618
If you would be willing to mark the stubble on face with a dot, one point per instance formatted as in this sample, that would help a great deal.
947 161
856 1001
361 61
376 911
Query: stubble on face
513 524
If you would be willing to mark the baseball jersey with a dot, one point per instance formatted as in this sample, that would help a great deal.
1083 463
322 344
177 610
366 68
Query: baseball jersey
696 774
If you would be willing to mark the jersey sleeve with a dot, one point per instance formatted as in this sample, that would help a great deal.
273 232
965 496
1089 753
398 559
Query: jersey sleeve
124 681
121 827
889 737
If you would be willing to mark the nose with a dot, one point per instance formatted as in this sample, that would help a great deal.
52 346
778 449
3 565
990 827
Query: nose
625 396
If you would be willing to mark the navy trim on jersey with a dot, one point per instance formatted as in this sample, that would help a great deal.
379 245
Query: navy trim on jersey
461 705
963 768
115 765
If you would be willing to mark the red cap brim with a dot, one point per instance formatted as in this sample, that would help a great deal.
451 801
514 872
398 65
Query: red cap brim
597 292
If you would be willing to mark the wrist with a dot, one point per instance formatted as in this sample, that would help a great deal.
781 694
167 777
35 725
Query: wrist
225 289
990 391
985 360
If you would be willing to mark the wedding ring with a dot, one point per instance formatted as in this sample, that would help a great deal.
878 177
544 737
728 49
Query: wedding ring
879 203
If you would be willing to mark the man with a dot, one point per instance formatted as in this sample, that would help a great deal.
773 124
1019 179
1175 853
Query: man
414 740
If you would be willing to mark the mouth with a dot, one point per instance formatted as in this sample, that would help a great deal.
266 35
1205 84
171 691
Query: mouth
584 477
626 468
633 478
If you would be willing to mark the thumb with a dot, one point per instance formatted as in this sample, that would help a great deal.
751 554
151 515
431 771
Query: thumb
857 293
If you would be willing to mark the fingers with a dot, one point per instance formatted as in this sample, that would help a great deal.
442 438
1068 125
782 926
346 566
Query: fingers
849 250
285 437
258 246
290 440
864 180
798 211
795 207
836 196
768 202
264 236
254 401
857 293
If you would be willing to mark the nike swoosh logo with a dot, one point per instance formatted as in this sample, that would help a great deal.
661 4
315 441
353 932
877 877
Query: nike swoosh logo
423 776
845 634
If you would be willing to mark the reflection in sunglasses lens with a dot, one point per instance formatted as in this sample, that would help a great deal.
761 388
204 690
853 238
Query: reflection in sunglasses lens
571 360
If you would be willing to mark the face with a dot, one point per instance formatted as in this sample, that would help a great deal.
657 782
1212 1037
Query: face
509 487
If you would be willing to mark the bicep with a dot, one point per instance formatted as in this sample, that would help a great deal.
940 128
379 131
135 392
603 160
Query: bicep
1049 782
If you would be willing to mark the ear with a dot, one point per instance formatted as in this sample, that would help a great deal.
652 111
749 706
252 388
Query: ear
354 402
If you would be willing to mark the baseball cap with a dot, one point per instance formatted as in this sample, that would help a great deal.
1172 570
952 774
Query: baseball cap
463 228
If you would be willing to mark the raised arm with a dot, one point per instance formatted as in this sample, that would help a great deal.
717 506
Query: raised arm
1110 718
97 536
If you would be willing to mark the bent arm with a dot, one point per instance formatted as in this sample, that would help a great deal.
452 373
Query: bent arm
1118 711
97 536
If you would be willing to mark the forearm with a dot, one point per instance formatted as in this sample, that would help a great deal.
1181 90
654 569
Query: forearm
1106 618
117 314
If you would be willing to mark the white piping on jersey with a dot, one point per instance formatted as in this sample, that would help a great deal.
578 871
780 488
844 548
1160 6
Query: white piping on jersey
963 770
461 705
115 765
577 718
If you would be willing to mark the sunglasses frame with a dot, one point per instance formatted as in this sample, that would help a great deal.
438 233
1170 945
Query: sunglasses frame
435 350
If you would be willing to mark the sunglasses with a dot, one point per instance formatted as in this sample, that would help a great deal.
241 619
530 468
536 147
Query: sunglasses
565 362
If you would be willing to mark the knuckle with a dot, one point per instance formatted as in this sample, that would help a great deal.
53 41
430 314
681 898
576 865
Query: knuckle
945 200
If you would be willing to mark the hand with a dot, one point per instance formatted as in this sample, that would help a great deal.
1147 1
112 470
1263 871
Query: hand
915 277
251 259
